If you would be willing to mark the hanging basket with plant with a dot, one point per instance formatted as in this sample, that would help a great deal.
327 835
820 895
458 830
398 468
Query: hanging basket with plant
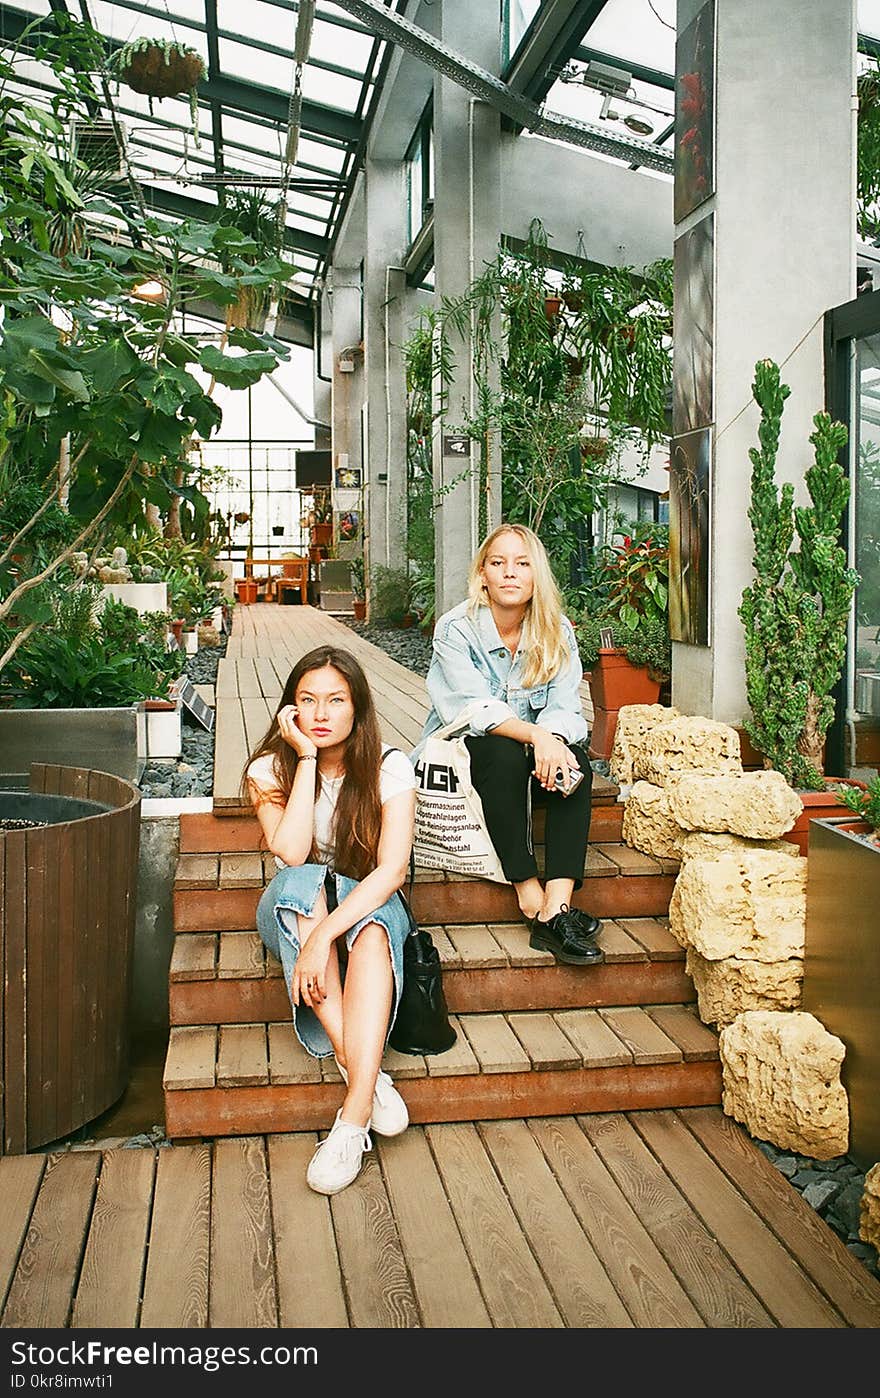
162 68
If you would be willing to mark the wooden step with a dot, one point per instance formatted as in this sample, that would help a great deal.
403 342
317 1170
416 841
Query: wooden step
229 978
229 1080
206 833
219 891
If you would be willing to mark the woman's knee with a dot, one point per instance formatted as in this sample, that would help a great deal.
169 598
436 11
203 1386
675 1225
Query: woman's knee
503 757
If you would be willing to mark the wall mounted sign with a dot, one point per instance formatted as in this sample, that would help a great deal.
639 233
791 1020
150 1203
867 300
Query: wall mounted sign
456 446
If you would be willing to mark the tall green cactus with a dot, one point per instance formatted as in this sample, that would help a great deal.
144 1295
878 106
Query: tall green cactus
795 612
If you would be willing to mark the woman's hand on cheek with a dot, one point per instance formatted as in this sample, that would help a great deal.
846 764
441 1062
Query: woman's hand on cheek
292 734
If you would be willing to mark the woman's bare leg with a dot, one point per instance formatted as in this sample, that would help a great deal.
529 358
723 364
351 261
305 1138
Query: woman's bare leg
557 892
530 897
329 1011
366 1005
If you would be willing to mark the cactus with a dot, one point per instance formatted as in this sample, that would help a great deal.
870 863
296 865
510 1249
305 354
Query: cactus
795 612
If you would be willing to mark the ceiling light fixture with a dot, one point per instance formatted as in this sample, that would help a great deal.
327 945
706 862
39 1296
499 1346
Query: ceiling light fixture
639 125
149 290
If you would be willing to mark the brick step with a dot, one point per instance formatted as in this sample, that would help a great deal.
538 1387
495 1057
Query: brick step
229 1080
204 833
219 891
229 978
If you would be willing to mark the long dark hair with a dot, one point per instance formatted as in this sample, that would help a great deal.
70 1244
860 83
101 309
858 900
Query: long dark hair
358 820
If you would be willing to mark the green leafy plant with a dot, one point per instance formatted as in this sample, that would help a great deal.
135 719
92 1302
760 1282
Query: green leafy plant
868 152
865 804
795 612
98 405
356 576
630 598
390 594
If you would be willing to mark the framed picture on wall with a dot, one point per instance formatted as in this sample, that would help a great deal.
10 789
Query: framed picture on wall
690 497
695 113
348 478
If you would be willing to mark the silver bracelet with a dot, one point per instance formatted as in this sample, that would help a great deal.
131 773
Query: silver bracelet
307 757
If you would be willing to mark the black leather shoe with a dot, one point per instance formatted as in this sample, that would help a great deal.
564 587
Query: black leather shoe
565 936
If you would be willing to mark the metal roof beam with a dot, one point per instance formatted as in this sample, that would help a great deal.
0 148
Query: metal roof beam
169 201
548 44
213 72
230 92
521 110
583 54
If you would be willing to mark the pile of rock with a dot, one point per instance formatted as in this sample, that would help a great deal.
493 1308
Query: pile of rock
738 909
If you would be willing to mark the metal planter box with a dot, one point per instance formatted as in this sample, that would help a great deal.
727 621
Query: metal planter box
842 964
103 740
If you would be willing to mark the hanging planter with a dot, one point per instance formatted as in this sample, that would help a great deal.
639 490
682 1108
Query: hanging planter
162 68
552 305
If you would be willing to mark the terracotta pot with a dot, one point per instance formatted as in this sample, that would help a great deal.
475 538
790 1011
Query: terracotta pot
177 630
246 590
551 306
322 534
818 805
360 608
615 681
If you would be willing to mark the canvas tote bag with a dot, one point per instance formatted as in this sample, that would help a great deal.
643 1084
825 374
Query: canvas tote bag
450 830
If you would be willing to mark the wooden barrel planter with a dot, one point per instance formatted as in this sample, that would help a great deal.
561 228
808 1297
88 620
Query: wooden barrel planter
68 890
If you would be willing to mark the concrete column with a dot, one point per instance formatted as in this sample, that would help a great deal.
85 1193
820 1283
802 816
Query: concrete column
384 332
342 315
784 240
467 137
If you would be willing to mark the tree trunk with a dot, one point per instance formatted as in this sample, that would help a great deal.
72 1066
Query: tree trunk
811 743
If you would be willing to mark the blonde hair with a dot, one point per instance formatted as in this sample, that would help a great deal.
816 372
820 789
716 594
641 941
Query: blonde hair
543 635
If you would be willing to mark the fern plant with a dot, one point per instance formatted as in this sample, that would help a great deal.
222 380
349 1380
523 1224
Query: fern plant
795 612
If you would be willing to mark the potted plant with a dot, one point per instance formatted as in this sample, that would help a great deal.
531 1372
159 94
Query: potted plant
795 612
162 68
632 603
358 589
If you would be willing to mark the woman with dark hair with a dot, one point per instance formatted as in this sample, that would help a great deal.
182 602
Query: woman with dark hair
506 659
336 806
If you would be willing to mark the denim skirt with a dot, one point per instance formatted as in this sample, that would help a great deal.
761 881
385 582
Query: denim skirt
294 890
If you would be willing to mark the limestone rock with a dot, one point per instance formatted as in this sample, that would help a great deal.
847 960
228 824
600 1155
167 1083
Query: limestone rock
687 745
693 844
634 723
780 1076
869 1214
208 634
726 988
749 904
647 824
756 805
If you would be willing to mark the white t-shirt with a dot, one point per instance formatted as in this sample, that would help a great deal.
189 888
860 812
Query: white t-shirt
396 775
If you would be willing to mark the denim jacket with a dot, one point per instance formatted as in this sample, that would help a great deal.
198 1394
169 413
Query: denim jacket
471 667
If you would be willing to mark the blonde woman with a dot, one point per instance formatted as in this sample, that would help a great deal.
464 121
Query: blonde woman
508 657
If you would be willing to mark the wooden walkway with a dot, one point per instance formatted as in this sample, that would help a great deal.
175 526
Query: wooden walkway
266 642
657 1218
667 1219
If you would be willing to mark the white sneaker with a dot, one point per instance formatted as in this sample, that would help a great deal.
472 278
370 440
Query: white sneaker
390 1116
338 1159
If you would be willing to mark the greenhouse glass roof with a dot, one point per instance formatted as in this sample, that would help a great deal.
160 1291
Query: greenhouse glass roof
291 85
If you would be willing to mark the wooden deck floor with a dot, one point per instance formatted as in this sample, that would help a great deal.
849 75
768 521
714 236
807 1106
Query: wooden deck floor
646 1219
666 1219
266 641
